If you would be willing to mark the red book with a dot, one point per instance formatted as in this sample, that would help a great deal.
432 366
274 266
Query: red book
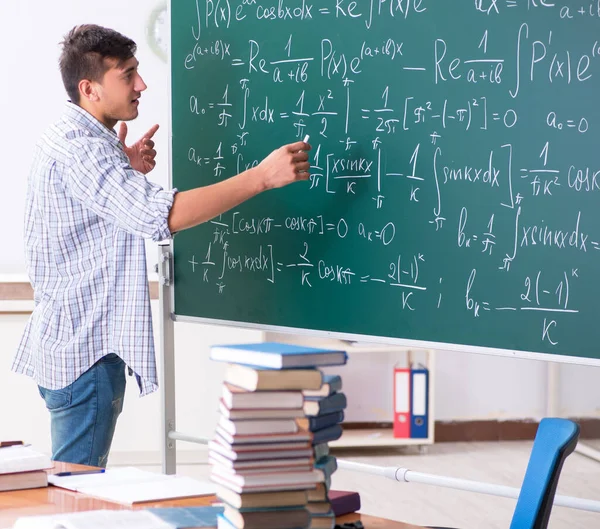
344 502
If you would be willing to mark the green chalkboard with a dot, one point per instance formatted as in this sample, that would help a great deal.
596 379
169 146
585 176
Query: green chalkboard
455 181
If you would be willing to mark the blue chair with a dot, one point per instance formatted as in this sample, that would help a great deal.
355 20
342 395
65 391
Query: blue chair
554 441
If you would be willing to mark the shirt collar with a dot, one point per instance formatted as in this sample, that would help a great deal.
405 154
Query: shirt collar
84 119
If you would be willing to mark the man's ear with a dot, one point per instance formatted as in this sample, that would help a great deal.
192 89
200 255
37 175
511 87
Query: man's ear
88 90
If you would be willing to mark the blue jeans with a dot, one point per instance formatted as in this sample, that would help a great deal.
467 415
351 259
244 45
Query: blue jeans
84 414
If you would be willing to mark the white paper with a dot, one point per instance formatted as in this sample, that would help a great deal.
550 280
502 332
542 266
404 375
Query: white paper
173 487
419 394
112 476
130 485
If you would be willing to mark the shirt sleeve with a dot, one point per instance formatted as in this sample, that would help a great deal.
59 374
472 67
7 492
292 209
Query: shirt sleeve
100 177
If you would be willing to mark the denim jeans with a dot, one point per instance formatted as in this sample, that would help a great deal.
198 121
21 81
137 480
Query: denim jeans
84 414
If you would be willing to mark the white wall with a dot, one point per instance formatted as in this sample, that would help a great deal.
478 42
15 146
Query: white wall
31 97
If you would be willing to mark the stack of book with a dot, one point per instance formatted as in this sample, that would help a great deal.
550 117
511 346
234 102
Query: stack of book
324 410
21 467
269 457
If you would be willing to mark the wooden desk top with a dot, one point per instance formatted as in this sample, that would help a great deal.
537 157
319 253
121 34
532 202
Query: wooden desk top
53 500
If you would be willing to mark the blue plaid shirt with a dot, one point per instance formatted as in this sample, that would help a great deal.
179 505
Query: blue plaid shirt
87 214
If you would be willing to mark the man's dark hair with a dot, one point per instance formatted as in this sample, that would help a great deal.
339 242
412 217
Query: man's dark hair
84 53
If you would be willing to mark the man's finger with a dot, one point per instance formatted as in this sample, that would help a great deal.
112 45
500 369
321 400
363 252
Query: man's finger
300 156
123 132
149 152
149 144
151 132
298 146
301 167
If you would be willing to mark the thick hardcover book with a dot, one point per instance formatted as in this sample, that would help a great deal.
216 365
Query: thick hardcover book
344 501
277 355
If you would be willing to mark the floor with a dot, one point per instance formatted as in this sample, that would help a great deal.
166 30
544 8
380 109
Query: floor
500 463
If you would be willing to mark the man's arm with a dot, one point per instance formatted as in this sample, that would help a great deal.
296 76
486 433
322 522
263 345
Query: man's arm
100 177
282 167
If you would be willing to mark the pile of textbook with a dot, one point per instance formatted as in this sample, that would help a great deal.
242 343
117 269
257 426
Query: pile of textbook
270 458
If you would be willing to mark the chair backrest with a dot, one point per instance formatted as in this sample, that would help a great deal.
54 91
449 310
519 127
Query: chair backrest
554 441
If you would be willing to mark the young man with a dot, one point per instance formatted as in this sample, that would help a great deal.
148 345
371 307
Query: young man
89 208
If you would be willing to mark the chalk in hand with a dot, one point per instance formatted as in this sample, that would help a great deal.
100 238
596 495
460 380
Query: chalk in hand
305 140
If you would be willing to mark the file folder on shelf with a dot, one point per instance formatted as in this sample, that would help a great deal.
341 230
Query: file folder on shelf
402 402
419 402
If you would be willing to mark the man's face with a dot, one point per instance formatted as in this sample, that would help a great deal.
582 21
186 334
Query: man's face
120 91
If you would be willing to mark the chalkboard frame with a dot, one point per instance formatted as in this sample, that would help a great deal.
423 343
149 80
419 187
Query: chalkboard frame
311 333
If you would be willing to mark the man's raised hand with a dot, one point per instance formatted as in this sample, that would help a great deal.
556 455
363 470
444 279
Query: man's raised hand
141 154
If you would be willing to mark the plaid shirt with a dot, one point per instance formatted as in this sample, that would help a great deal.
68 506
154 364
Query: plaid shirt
87 214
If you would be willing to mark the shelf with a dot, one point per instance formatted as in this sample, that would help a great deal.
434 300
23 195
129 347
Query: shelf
374 438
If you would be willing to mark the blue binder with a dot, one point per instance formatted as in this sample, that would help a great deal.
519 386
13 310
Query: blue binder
419 402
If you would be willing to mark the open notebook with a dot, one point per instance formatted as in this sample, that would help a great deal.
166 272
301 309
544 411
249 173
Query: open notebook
94 520
131 485
167 518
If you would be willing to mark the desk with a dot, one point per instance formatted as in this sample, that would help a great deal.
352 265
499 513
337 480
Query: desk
52 500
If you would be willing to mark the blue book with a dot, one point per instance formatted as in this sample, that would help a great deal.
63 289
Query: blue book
326 521
224 523
328 484
185 517
331 384
327 435
327 465
324 421
277 355
314 406
320 450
